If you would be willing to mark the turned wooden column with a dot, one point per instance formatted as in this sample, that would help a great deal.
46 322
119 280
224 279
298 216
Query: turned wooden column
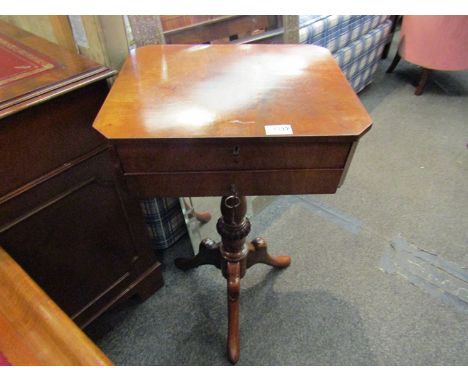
233 227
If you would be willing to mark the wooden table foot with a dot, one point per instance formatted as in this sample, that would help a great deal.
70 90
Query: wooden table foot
258 253
208 253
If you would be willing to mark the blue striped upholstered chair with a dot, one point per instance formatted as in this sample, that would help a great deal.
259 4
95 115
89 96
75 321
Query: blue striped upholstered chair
356 42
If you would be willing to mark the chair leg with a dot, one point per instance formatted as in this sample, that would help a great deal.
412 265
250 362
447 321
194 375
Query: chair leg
422 81
394 63
386 49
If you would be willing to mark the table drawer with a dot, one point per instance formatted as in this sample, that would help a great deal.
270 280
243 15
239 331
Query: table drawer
142 156
218 183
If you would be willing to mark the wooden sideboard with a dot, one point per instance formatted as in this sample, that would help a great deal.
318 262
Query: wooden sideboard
65 216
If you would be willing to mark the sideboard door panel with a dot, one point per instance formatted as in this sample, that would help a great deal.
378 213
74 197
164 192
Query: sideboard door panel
56 230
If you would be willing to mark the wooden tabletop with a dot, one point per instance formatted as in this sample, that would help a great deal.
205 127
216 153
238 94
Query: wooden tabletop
33 329
224 91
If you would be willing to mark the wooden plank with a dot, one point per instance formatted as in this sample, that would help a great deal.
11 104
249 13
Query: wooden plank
35 331
218 29
170 23
269 37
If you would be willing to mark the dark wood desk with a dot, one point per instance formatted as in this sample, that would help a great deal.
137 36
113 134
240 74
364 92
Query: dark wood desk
232 120
64 217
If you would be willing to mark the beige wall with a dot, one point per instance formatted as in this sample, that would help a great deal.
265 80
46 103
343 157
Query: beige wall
106 36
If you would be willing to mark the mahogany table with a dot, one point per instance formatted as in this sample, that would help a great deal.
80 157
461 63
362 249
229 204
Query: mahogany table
231 121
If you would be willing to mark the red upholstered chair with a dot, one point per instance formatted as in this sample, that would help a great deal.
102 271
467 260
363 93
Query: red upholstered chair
434 43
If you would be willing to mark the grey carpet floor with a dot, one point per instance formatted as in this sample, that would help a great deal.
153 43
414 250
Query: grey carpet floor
379 272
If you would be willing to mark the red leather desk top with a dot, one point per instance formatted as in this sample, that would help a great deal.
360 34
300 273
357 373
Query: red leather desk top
18 61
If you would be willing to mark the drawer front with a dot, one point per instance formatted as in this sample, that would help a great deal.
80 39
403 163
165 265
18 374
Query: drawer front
140 156
43 137
218 183
70 234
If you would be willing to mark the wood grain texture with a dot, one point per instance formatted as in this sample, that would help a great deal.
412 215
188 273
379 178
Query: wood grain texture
222 91
171 22
233 256
65 217
234 154
62 126
34 330
220 29
190 121
247 182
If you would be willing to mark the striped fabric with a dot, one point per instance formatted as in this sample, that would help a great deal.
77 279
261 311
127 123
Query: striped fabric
356 42
164 220
360 59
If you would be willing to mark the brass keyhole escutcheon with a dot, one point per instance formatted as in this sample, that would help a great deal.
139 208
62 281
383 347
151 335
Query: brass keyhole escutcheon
236 151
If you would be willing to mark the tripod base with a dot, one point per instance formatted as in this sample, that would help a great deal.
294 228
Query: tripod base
233 256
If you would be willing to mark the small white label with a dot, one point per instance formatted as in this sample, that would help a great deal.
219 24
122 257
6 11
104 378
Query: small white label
278 130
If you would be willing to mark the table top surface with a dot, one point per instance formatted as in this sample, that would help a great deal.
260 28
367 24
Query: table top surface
34 330
225 91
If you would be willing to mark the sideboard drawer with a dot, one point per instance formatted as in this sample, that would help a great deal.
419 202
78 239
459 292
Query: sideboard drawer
142 156
43 137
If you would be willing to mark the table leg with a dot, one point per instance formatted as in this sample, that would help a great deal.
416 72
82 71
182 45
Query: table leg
233 289
233 256
233 227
